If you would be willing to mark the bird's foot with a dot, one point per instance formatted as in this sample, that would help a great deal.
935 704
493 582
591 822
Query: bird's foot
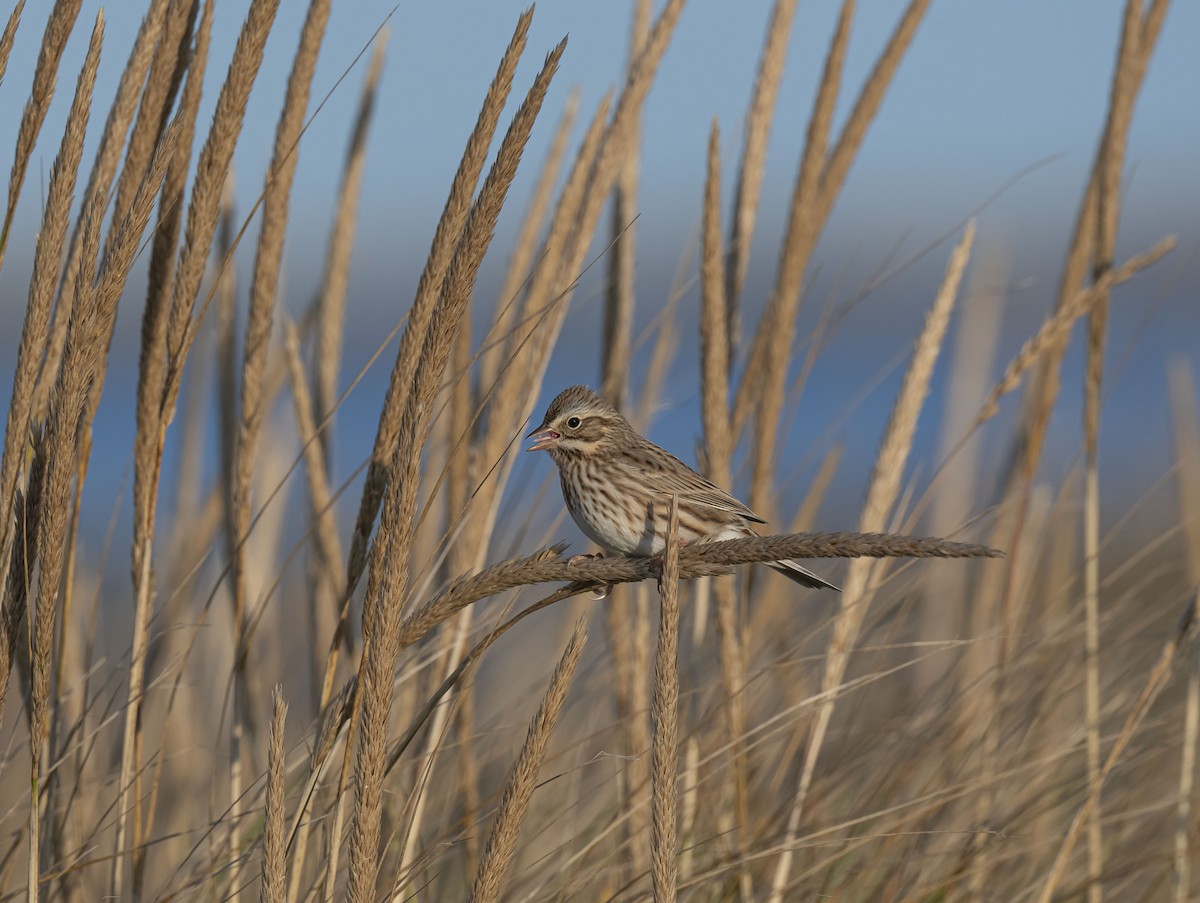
580 559
602 591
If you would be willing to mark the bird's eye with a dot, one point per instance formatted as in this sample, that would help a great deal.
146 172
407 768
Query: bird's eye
574 423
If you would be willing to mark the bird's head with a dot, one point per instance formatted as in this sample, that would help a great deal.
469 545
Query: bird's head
578 422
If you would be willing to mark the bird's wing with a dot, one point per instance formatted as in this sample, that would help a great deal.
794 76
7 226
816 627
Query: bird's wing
662 472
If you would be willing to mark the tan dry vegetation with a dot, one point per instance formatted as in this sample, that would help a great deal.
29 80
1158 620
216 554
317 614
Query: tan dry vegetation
766 750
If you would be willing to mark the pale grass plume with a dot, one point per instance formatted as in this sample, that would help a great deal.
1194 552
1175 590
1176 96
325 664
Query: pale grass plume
331 302
274 852
518 790
103 170
388 572
882 491
520 261
1187 466
34 330
445 241
59 26
771 65
616 349
665 718
9 35
259 320
212 167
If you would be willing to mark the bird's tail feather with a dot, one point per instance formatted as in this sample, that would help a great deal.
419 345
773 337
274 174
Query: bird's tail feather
801 575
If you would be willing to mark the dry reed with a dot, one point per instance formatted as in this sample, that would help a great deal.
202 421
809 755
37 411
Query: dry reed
502 841
956 764
665 718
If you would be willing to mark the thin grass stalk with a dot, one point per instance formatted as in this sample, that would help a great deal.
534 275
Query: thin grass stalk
83 362
104 168
327 547
746 193
47 254
59 26
149 438
881 497
1108 210
1187 467
51 810
274 856
331 302
665 718
66 406
1140 34
212 167
259 320
445 240
518 790
158 97
27 511
718 444
388 574
1155 681
520 260
762 386
616 348
554 279
9 35
508 403
495 188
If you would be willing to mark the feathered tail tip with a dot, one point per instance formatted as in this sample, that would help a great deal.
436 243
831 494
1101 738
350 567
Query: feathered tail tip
801 575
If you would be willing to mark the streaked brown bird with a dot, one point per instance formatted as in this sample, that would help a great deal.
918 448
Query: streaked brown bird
618 485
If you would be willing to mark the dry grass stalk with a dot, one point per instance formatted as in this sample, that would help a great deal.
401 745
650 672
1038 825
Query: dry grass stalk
1137 48
509 403
388 574
521 258
1059 324
58 28
1108 183
763 384
883 489
616 351
518 790
445 241
263 287
753 163
457 292
274 857
9 35
707 559
665 718
84 360
104 168
148 445
212 166
46 259
715 344
552 285
1155 681
1187 468
162 83
331 302
327 546
27 508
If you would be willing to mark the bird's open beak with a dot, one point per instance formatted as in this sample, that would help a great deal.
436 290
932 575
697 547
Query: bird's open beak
543 438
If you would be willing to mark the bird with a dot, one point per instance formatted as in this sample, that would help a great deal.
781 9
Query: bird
617 485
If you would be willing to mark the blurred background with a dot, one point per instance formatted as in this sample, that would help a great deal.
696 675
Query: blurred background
994 113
